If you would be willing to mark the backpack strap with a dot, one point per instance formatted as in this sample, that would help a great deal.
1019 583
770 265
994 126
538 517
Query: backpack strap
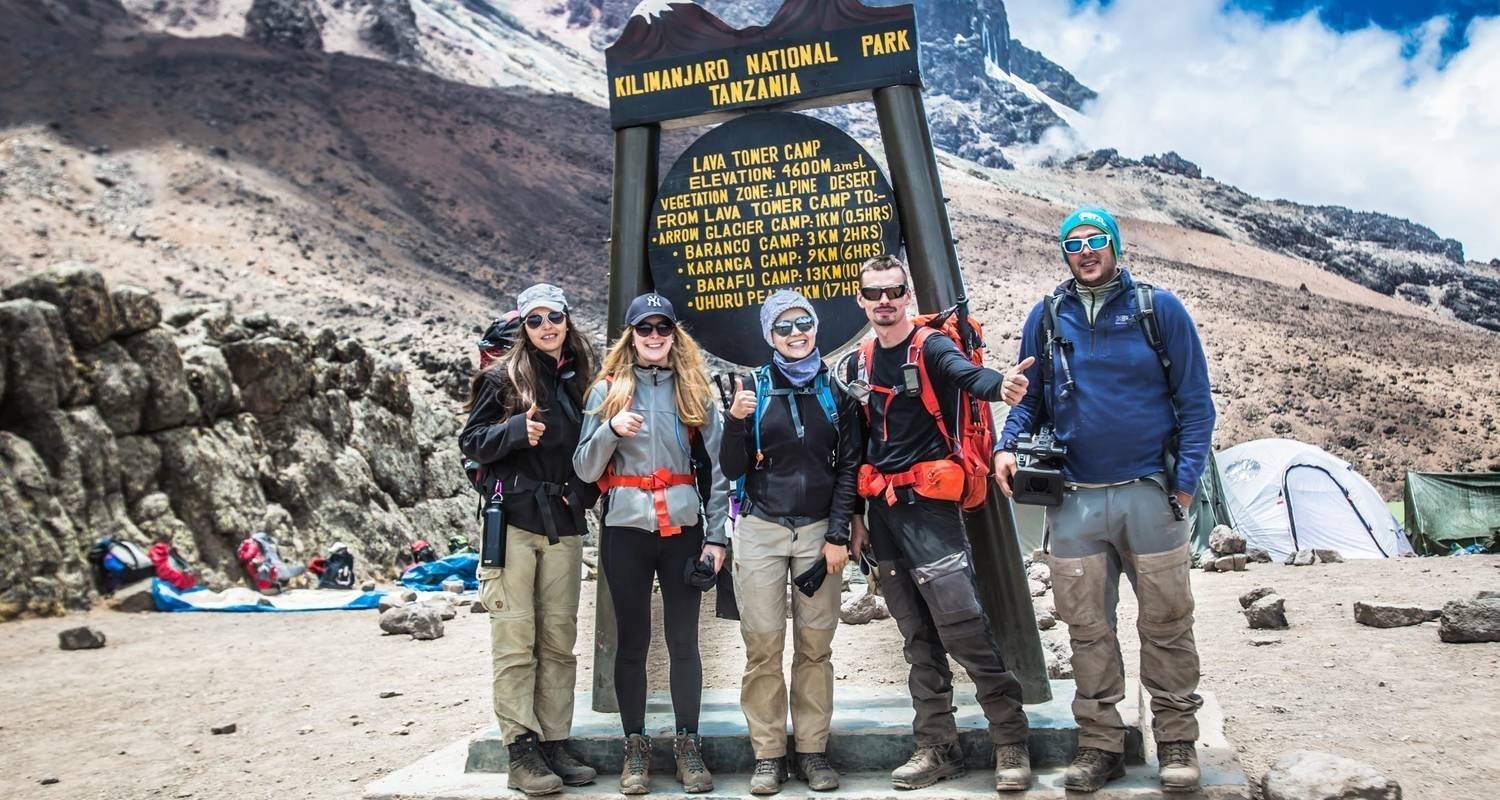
762 400
1055 348
1145 305
824 390
915 355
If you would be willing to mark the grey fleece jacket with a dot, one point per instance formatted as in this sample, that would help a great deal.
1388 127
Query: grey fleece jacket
663 441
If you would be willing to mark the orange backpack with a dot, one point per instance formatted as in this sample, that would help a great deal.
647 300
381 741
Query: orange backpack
972 444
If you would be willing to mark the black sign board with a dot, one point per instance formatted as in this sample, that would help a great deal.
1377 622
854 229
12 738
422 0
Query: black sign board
765 202
676 61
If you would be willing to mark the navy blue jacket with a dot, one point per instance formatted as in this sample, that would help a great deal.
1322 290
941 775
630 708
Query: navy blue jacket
1124 408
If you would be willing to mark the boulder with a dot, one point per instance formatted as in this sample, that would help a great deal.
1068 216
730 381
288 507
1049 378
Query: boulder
213 477
1234 563
1384 616
139 461
211 382
421 621
1310 775
389 386
863 608
269 372
389 444
1302 558
40 375
1210 563
81 638
1225 541
136 310
120 386
454 585
1257 555
1045 620
133 599
170 402
1267 613
1329 556
1059 656
1470 621
444 608
80 294
1037 588
1040 572
284 23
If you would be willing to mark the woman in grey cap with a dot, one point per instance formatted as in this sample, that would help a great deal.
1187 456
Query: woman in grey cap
525 418
651 410
795 445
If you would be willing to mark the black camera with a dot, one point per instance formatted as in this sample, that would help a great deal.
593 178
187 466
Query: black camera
1039 478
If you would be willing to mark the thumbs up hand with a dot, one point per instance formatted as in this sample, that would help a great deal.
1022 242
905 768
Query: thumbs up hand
1016 383
743 404
534 428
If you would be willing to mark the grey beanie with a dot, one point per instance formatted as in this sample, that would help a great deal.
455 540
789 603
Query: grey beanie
777 304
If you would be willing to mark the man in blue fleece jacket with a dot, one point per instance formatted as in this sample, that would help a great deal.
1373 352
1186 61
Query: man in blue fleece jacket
1137 425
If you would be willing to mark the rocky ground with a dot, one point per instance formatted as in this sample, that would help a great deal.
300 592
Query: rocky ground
304 690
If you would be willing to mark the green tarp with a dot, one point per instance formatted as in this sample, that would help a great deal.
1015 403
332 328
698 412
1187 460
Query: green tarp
1210 508
1448 511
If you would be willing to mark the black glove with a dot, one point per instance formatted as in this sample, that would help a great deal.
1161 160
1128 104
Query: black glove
810 581
700 574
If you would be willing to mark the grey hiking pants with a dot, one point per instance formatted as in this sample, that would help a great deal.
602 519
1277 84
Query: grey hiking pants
927 575
1092 536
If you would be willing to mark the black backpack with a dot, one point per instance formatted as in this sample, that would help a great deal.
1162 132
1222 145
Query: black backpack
1051 342
339 573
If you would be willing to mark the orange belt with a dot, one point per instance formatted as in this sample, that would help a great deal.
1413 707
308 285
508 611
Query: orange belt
656 483
935 480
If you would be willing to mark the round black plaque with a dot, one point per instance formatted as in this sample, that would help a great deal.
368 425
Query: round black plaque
764 202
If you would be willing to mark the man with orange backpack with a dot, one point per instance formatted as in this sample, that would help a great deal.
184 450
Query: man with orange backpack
925 401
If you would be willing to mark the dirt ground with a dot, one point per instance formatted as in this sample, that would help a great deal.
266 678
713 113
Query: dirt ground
132 720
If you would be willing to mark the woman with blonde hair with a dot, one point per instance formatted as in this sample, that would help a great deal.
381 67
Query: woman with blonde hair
647 415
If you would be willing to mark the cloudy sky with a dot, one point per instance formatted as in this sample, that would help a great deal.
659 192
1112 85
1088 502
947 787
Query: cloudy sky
1382 106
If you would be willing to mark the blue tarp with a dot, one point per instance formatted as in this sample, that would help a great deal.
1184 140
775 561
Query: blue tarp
240 599
429 576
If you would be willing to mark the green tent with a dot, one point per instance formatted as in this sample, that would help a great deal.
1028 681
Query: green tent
1210 508
1448 511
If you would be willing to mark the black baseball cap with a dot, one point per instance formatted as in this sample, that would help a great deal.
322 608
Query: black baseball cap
649 305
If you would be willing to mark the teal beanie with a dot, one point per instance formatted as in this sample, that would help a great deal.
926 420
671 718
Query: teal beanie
1097 217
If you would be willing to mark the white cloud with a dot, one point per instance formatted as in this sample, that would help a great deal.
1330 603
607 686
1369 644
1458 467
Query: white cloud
1292 109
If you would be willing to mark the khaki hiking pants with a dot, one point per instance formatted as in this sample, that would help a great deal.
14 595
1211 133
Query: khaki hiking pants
766 556
533 605
1093 535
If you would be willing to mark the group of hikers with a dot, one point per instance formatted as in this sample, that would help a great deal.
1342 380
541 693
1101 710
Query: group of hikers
832 467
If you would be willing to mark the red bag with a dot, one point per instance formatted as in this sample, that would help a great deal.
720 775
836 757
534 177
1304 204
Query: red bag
169 566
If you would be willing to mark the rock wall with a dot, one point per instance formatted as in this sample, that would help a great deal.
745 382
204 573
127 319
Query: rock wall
205 426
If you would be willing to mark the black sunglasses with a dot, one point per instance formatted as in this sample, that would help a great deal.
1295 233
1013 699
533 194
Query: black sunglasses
663 328
803 323
873 293
555 317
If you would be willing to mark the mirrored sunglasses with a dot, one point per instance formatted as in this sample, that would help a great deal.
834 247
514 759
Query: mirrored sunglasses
555 317
803 323
1096 243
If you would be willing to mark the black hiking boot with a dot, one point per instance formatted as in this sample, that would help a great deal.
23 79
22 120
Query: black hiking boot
768 775
928 765
695 777
819 774
528 770
1012 767
635 773
1178 766
1092 768
572 771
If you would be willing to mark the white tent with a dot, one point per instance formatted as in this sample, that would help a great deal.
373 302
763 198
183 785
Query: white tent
1287 496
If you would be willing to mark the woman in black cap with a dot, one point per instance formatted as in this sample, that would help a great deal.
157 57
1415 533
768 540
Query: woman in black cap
525 418
650 411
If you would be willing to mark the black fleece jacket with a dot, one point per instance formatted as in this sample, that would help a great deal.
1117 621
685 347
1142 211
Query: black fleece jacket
539 482
814 477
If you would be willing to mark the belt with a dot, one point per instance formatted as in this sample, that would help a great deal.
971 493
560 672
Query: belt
543 491
656 483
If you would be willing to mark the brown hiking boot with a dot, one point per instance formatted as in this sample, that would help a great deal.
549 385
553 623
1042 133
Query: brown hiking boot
1092 768
635 773
768 776
1178 768
928 765
528 770
695 777
819 774
1012 767
572 771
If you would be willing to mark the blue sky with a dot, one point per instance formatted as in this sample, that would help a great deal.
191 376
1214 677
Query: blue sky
1377 106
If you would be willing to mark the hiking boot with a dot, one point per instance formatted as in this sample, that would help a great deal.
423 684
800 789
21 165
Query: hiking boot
815 769
635 773
1012 767
768 776
695 777
1092 768
528 770
928 765
572 771
1178 768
